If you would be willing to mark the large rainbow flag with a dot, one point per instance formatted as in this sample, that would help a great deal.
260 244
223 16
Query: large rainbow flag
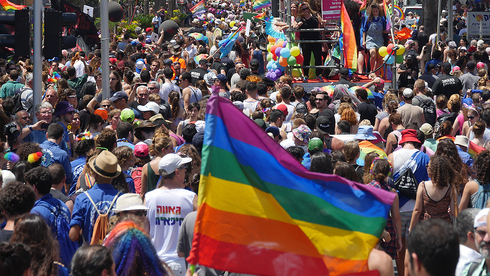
198 9
259 4
9 6
388 16
261 212
348 40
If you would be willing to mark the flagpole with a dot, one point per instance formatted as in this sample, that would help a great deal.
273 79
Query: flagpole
224 44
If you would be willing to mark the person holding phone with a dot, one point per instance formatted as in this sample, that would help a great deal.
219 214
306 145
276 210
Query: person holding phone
307 19
37 132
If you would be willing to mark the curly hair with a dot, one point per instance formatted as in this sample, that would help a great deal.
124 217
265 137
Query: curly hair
25 149
447 148
482 166
342 107
174 100
441 171
350 116
254 78
32 230
17 198
190 151
106 139
445 129
123 154
351 151
83 147
159 143
41 178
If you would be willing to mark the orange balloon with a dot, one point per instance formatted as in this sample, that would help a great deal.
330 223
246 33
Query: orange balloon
283 61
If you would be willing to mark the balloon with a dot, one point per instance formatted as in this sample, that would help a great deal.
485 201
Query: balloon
269 47
271 39
399 59
269 65
291 60
269 56
116 12
169 27
400 50
268 75
273 76
300 59
284 44
278 51
295 51
285 53
274 57
278 72
389 59
382 51
389 49
273 49
283 61
280 41
232 24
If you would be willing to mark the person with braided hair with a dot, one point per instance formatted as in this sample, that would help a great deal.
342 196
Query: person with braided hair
477 191
447 148
436 196
379 176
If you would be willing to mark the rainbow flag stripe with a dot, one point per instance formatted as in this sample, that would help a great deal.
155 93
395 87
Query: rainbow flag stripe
259 4
261 16
198 9
242 3
474 150
388 16
367 147
349 44
363 7
263 213
9 6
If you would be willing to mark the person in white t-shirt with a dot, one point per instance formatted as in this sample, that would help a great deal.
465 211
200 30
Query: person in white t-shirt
168 205
168 86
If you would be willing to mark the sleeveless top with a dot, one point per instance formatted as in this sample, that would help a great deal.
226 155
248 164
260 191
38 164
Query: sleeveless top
435 209
151 179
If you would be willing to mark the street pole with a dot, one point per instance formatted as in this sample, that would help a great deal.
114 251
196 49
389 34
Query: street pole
104 27
37 54
450 19
438 18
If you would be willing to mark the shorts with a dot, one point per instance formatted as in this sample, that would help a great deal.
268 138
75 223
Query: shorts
406 218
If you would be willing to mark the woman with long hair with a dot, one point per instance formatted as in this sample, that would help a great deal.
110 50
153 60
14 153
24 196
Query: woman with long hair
473 116
161 145
133 251
32 230
178 113
478 131
438 195
373 29
379 174
385 127
192 116
308 19
477 191
321 162
447 148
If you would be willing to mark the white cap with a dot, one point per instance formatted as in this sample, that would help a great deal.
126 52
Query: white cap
140 64
407 93
171 162
7 177
483 213
150 106
129 202
200 125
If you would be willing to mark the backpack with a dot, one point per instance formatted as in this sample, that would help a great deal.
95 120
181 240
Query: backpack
102 223
429 110
67 247
445 117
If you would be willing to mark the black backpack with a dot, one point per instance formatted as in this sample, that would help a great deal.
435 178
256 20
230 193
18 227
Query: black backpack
429 110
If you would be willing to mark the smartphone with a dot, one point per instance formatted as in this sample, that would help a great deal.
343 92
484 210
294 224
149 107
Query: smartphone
44 126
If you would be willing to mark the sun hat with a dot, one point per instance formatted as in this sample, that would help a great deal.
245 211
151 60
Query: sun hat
129 202
480 215
63 107
171 162
365 133
302 133
105 165
409 135
461 140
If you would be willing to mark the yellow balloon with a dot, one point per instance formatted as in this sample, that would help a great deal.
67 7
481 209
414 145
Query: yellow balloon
269 47
400 50
295 51
382 51
232 24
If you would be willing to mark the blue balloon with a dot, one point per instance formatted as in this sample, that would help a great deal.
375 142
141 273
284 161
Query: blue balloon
285 53
269 65
389 59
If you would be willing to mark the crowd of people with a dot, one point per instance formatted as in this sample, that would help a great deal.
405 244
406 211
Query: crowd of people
108 186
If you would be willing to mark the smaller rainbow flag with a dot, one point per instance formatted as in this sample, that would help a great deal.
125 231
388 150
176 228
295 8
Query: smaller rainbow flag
261 16
198 9
354 88
474 150
348 40
367 147
259 4
363 7
9 6
388 15
242 3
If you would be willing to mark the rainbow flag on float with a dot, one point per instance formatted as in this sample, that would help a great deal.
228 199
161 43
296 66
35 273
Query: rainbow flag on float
262 213
198 9
9 6
259 4
347 40
388 16
261 16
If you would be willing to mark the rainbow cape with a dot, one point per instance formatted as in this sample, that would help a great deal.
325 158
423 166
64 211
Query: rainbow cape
261 212
198 9
261 16
259 4
367 147
9 6
474 150
348 40
388 16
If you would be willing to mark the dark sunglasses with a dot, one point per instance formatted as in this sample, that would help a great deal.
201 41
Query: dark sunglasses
106 105
316 99
471 117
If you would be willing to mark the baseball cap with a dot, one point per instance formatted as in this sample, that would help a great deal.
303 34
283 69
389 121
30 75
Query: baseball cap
463 48
119 95
127 115
167 61
140 65
261 123
134 43
446 66
426 129
129 202
149 29
102 112
323 124
171 162
301 108
480 215
254 62
141 150
315 145
407 93
222 77
283 108
150 106
137 30
274 130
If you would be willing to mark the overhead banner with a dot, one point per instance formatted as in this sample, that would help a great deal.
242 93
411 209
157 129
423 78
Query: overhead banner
475 19
331 9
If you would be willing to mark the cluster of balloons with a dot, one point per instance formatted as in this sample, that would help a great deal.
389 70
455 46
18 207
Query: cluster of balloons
385 52
281 55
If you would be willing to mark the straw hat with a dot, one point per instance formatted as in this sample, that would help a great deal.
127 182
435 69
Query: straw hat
105 165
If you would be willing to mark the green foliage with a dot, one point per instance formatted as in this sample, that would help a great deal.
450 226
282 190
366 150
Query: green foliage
144 20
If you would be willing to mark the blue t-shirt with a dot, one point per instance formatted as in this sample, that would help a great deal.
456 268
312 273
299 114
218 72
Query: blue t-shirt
65 143
84 213
41 209
465 157
36 136
54 154
77 167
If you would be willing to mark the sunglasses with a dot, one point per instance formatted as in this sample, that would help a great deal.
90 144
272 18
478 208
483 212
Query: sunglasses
316 99
183 167
106 105
471 117
304 9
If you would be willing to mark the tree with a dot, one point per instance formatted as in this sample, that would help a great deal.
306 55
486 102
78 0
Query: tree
429 16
